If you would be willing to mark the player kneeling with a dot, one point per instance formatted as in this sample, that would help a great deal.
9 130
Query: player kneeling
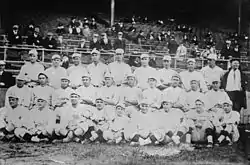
102 116
201 125
226 127
138 130
72 121
115 132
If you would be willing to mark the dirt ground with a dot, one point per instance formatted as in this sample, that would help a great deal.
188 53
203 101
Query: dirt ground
97 154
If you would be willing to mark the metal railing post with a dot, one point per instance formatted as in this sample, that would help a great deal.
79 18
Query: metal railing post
42 54
5 53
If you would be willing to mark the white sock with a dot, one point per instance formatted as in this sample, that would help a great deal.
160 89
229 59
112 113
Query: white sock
188 138
222 137
210 139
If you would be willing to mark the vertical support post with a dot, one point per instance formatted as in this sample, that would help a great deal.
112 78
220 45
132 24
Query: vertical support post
43 55
5 53
112 12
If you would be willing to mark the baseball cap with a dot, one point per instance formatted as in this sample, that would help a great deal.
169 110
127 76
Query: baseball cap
20 77
167 57
191 60
227 101
76 55
95 51
119 51
55 56
33 51
144 56
212 56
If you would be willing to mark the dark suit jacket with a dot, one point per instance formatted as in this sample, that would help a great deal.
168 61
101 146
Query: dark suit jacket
119 44
243 85
96 45
37 41
48 42
107 46
15 39
7 79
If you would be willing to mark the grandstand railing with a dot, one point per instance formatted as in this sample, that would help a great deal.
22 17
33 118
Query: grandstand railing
45 53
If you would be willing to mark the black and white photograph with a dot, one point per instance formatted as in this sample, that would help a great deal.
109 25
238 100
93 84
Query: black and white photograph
125 82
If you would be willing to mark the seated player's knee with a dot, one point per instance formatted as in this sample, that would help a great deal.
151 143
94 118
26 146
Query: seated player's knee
209 131
135 138
229 128
10 128
108 135
225 133
19 132
78 132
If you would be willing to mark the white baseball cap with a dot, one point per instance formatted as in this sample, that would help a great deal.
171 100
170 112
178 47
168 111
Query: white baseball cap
212 56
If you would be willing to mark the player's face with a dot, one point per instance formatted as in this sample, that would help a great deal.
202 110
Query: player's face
56 62
194 85
166 106
191 66
2 67
76 60
216 85
119 111
108 81
166 63
235 64
119 56
131 81
175 81
199 106
13 102
41 103
211 62
33 58
95 57
86 81
144 108
144 61
42 79
152 82
227 108
99 104
19 83
74 99
64 83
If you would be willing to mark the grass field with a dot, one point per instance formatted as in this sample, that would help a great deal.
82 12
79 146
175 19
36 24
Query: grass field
95 154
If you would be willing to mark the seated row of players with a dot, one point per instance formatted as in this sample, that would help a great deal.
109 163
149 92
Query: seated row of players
116 114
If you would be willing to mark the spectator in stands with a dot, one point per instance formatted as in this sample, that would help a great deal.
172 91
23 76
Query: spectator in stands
6 78
236 52
150 36
140 37
132 28
60 29
95 43
93 24
195 52
181 51
120 26
35 39
105 43
30 28
194 40
82 44
50 42
120 42
31 69
172 46
72 26
227 50
85 21
86 31
15 37
159 37
234 82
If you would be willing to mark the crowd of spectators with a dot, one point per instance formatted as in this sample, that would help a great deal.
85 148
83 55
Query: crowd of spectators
171 37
